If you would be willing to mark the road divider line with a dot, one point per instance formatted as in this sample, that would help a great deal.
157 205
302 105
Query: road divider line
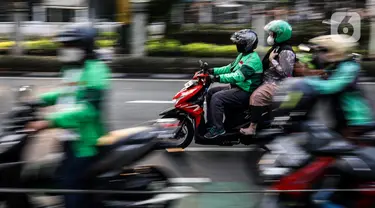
150 101
125 79
218 149
189 180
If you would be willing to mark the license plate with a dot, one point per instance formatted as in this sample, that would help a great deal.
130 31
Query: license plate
189 84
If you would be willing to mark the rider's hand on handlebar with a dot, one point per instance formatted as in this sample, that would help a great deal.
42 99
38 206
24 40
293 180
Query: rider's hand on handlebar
215 78
38 125
210 71
324 76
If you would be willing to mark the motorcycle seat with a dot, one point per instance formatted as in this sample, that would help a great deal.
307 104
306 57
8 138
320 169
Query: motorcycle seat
125 135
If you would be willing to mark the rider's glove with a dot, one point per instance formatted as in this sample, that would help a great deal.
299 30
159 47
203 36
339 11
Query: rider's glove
210 71
215 78
35 103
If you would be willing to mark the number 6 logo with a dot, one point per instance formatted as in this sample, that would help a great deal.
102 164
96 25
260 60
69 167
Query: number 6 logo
346 23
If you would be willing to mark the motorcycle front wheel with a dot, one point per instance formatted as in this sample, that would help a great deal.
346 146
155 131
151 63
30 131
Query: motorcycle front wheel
184 134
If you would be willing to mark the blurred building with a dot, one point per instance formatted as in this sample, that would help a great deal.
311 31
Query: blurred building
240 11
60 10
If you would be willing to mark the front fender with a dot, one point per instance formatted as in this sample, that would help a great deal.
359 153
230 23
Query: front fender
177 113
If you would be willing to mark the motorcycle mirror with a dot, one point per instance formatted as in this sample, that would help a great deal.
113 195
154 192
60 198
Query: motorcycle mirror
205 65
24 93
357 56
200 63
304 48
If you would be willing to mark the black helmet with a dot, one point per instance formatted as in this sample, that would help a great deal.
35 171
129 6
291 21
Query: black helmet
246 40
80 35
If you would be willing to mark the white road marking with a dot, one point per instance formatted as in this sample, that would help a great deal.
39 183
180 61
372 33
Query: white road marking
126 79
168 197
189 180
218 149
150 101
366 83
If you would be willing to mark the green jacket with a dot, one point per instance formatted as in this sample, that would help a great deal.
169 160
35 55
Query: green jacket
356 108
245 72
85 98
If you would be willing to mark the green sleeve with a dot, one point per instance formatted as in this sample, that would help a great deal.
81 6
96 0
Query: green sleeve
50 98
345 74
84 111
223 70
239 76
227 69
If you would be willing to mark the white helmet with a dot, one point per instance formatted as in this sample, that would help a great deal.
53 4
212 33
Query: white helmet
339 47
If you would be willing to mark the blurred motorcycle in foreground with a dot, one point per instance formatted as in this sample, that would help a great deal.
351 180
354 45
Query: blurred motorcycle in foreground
295 102
336 165
112 170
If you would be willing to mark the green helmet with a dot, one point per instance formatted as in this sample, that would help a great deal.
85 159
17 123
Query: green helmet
282 29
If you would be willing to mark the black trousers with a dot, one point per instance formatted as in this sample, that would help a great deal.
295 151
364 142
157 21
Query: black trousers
221 98
73 171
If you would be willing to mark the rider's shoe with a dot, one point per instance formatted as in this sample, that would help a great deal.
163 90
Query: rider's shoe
214 132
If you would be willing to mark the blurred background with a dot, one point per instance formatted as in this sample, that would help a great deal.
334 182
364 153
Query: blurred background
193 28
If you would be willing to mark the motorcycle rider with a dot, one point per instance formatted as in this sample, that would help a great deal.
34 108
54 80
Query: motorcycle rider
85 81
356 111
278 64
243 76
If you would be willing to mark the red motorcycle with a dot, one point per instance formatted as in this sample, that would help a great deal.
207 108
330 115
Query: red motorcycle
359 166
188 110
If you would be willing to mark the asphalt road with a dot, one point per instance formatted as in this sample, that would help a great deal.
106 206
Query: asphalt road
212 168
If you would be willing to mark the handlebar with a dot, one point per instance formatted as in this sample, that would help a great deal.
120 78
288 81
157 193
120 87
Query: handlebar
19 117
204 66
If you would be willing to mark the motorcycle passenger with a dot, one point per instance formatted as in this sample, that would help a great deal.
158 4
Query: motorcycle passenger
85 82
278 64
243 75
